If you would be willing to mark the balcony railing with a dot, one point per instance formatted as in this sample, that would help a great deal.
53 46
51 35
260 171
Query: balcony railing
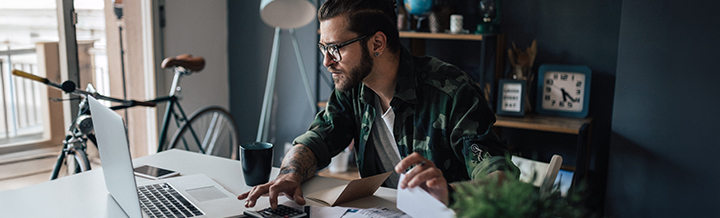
20 117
27 113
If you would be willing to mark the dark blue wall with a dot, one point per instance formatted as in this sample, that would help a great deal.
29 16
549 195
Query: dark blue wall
665 147
250 44
573 33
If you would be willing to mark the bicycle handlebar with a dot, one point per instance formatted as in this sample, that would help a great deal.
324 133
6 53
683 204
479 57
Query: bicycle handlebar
27 75
69 87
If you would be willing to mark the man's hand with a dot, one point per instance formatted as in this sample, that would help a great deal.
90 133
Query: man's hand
425 175
284 183
299 165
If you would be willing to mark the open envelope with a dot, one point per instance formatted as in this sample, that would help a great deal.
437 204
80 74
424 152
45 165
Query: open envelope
354 190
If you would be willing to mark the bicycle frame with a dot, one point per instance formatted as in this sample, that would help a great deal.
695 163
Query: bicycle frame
170 113
178 121
170 110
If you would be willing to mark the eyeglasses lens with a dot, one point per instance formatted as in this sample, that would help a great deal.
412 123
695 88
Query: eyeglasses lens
330 50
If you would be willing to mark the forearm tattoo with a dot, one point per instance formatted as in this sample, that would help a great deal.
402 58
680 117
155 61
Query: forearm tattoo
300 161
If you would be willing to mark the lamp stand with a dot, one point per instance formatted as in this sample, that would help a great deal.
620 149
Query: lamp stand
262 133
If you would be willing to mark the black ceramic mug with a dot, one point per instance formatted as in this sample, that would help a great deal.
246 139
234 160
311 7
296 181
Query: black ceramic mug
257 158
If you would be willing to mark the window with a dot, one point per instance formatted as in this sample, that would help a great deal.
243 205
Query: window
28 41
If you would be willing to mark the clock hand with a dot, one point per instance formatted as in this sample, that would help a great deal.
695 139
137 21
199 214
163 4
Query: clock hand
567 95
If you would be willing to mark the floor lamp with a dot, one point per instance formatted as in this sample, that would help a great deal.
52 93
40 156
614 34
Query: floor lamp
283 14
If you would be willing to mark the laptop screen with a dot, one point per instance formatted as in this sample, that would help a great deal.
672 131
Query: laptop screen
115 155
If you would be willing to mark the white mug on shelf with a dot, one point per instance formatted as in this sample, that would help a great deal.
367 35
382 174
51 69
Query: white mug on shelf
456 23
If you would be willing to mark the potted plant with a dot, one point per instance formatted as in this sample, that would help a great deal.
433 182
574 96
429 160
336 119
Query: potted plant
514 198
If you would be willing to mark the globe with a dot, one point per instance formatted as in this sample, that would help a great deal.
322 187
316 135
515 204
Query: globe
418 7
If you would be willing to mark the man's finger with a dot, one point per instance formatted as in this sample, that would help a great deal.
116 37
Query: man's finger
436 182
255 193
298 197
412 159
424 176
273 197
408 161
410 176
243 195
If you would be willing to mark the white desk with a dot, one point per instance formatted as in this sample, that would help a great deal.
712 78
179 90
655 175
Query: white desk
85 195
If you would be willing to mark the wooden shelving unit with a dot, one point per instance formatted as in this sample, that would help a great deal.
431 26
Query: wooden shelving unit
544 123
417 40
425 35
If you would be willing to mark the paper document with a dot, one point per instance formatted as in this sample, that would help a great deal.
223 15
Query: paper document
377 212
316 211
354 190
418 203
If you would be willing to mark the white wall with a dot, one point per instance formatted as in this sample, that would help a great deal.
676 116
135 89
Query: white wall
198 28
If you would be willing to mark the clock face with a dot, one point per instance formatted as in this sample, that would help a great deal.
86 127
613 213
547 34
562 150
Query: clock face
563 91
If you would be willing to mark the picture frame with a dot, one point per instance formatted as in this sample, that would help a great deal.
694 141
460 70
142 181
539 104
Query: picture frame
511 97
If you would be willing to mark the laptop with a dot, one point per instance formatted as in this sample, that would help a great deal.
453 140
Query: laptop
193 195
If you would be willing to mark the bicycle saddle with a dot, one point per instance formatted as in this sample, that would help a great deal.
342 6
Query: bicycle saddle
185 60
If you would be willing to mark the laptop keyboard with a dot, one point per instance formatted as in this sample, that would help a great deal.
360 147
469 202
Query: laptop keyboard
162 200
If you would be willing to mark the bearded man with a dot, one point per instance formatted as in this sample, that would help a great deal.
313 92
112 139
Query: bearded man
400 110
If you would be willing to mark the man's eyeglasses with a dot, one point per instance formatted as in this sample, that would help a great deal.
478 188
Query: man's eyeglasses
332 49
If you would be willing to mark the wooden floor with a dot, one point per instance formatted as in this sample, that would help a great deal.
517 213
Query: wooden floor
22 169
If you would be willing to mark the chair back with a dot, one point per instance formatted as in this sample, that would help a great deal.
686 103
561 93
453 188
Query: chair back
538 173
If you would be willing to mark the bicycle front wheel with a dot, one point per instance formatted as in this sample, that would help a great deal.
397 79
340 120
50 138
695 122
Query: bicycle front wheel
211 130
70 163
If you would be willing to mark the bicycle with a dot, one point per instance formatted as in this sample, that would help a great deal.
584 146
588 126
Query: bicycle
210 130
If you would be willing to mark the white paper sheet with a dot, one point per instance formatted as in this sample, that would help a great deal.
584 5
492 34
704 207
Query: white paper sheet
377 212
317 211
418 203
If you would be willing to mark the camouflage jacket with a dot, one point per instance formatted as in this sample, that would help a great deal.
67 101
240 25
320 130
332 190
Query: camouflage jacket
439 113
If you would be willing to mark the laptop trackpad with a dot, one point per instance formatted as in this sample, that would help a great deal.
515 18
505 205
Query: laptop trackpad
206 193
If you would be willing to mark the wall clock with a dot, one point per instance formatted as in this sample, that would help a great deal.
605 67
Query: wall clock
563 90
511 97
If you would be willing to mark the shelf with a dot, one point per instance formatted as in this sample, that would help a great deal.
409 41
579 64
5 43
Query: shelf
544 123
426 35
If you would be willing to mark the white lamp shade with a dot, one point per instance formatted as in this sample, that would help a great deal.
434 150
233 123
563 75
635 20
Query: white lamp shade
287 14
